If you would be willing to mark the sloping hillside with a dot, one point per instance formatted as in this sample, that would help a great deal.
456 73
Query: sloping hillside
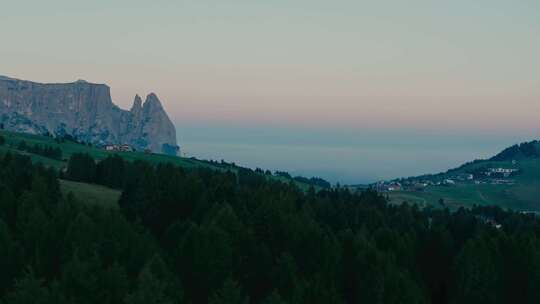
70 147
511 179
91 194
13 140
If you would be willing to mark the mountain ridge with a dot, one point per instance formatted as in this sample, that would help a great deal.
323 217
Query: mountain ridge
85 111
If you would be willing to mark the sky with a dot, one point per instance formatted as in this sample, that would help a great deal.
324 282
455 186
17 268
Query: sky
352 91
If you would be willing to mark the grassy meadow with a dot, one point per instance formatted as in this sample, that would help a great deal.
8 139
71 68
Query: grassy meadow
91 194
523 195
94 194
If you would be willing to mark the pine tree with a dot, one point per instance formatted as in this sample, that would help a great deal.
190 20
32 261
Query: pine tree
273 298
28 290
230 293
155 285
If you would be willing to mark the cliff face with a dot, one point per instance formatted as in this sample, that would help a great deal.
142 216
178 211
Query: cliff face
85 111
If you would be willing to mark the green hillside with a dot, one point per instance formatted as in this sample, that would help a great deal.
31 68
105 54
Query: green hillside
520 191
68 148
91 194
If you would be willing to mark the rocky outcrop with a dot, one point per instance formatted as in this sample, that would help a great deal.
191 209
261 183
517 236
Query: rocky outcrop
85 111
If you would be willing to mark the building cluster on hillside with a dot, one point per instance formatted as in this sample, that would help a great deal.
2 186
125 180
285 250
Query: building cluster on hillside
505 172
489 221
119 148
492 176
383 186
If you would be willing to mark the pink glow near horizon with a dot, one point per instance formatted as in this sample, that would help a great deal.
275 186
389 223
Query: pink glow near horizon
447 66
351 99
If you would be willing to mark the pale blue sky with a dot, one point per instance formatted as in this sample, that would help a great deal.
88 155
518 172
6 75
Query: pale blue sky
452 68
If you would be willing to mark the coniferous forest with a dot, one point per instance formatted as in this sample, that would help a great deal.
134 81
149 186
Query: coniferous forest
206 236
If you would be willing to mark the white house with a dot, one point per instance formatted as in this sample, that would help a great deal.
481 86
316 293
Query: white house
119 148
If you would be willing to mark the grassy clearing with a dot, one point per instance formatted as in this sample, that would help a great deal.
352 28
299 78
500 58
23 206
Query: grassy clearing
91 194
523 195
411 198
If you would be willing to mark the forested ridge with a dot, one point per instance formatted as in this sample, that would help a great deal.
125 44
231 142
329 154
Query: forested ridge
526 149
208 236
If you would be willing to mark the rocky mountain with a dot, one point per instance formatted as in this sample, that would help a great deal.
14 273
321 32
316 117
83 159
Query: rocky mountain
85 111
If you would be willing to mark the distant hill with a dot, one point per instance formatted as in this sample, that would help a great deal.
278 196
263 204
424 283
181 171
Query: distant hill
85 111
521 151
510 179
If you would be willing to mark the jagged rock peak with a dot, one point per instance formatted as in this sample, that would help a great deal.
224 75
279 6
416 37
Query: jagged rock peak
85 111
152 101
137 104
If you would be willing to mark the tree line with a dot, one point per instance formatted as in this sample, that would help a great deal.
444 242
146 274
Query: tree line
205 236
43 150
526 149
313 181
